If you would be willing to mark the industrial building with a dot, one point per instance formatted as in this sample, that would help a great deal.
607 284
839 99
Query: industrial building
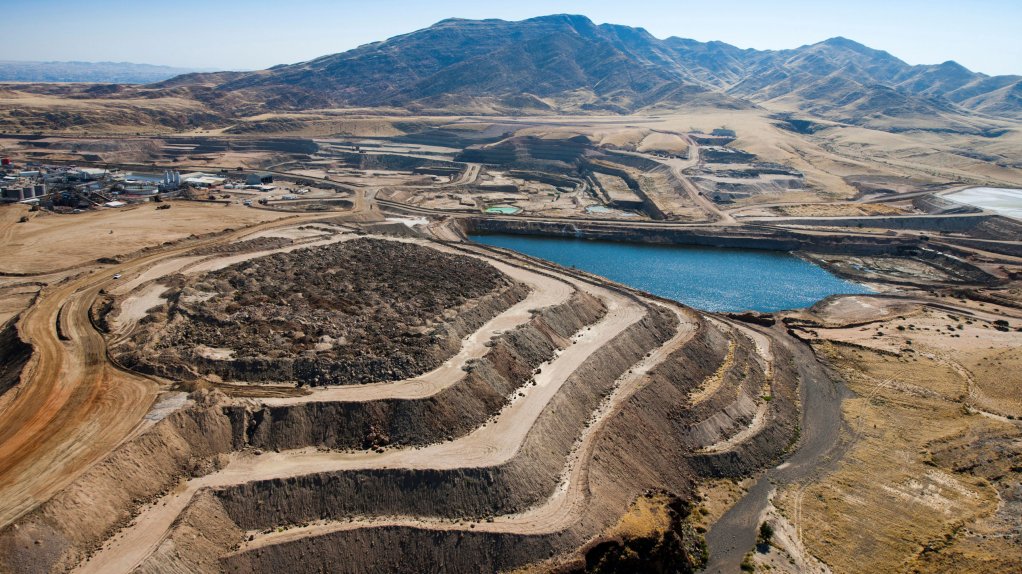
199 179
21 190
69 188
141 188
58 187
171 180
91 173
259 178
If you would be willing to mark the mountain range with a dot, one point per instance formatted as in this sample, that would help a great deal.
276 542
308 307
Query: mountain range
568 63
87 72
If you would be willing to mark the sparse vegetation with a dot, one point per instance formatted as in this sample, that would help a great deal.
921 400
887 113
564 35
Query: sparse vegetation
766 533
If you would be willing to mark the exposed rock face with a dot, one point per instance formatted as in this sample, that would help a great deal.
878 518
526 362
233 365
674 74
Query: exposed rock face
644 447
670 549
641 448
14 354
202 534
93 506
245 246
778 432
551 64
362 311
525 480
626 421
190 441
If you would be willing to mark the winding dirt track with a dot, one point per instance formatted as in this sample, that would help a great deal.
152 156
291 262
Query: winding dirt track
559 511
71 409
765 358
545 291
490 445
678 167
819 448
72 406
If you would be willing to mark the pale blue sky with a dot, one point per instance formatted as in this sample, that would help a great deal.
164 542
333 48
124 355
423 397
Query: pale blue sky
983 35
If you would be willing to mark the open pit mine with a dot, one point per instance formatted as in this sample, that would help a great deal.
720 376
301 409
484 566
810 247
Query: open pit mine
345 394
364 380
660 314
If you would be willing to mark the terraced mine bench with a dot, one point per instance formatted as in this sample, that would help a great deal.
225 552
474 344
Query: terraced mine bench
549 418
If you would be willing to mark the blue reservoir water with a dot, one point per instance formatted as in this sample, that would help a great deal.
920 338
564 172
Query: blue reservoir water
714 279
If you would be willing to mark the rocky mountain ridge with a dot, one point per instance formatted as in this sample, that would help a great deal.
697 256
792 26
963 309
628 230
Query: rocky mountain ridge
568 63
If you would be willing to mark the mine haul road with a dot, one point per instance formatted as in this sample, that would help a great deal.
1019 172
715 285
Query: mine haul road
820 447
568 503
559 511
73 406
366 200
678 167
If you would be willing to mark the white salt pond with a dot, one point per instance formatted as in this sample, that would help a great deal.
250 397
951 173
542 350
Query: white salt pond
1002 200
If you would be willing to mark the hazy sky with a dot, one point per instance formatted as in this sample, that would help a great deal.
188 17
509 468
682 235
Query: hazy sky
983 35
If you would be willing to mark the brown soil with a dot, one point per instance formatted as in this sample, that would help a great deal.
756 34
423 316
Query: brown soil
839 210
51 242
247 246
570 438
930 483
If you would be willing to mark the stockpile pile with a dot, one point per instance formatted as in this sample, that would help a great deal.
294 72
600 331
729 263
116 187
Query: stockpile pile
247 246
357 312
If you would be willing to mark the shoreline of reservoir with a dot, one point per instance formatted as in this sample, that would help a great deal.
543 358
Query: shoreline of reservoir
716 279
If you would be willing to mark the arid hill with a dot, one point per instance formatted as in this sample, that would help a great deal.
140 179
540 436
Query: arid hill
565 63
569 63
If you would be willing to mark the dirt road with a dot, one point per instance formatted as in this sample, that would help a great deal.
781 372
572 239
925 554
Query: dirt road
72 407
569 500
678 167
490 445
819 449
470 175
